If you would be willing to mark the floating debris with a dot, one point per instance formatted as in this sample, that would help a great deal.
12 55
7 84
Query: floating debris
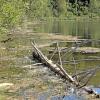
77 80
88 50
58 66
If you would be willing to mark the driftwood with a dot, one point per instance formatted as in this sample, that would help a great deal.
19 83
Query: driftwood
79 50
57 67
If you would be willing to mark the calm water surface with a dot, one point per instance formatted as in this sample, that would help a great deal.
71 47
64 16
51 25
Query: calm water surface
18 50
88 29
85 29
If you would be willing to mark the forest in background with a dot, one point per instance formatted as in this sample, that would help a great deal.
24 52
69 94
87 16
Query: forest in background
13 12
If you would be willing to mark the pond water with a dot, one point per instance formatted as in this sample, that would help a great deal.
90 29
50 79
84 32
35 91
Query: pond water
84 29
16 54
87 29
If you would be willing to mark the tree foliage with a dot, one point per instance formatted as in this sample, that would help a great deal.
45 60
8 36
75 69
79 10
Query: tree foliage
38 8
59 7
11 12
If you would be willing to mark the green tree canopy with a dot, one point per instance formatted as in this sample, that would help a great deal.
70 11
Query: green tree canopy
11 13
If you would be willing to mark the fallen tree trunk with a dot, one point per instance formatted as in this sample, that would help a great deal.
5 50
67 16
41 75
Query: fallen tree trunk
56 68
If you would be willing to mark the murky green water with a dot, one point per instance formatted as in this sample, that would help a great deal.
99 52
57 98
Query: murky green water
88 29
85 29
16 52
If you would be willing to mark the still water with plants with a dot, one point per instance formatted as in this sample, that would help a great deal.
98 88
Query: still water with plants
16 53
88 29
83 29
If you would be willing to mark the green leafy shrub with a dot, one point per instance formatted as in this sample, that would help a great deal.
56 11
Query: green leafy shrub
11 13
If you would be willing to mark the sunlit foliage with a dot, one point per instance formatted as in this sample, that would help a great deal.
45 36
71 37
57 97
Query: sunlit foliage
11 13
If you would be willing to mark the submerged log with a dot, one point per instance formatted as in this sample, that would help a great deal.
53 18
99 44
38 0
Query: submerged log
56 68
84 50
77 78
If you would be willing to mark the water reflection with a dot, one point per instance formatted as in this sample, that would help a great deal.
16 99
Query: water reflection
84 29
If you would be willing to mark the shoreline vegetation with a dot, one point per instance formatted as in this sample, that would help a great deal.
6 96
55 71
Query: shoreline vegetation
75 18
14 12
